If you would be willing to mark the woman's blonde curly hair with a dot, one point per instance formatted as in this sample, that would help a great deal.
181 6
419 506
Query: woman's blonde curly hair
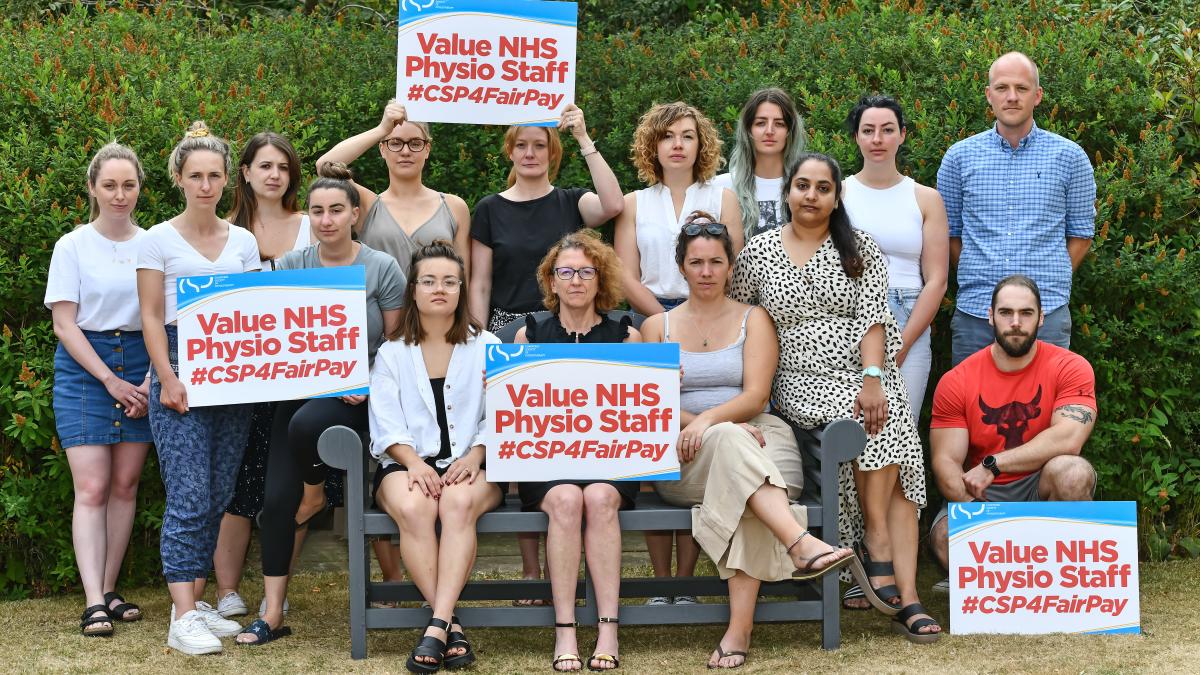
651 129
609 291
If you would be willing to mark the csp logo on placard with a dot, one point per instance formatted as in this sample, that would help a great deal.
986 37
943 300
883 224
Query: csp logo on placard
500 351
416 5
960 510
182 290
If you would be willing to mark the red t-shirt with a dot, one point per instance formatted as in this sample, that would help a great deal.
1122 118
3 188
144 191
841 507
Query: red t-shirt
1003 410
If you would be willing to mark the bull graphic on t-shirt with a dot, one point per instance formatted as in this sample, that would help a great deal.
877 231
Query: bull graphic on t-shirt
1012 419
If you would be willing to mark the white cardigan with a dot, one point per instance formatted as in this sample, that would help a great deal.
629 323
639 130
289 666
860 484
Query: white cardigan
402 404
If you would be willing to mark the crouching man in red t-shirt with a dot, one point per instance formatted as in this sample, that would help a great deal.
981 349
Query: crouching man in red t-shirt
1009 422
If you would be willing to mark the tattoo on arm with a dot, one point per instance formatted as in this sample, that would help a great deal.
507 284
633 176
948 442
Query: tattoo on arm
1079 413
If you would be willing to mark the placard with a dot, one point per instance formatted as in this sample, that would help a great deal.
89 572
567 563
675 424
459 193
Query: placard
582 412
486 62
273 336
1044 567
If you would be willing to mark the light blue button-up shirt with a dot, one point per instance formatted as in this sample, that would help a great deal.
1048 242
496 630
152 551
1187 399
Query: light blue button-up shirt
1014 209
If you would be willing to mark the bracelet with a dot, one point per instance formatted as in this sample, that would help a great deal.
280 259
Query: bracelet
589 151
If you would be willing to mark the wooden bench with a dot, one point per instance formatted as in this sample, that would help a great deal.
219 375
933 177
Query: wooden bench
822 451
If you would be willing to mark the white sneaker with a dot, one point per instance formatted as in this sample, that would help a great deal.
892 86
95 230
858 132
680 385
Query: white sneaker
685 600
217 625
232 604
942 586
190 635
262 607
658 601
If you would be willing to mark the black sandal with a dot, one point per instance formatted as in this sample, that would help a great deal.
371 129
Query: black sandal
807 573
456 638
604 658
428 647
565 657
880 598
911 632
94 615
119 612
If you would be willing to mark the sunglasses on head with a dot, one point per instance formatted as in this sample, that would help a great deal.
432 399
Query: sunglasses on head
696 226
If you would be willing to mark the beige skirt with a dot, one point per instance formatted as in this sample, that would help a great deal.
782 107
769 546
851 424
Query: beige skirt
730 467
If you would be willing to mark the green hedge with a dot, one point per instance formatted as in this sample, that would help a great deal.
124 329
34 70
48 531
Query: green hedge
140 75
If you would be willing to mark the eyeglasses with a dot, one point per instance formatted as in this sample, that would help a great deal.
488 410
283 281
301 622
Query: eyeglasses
695 227
567 273
397 144
449 284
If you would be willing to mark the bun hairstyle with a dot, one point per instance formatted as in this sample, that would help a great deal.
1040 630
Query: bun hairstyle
196 138
410 330
336 176
245 202
113 150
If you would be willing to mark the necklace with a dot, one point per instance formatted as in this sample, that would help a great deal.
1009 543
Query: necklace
696 324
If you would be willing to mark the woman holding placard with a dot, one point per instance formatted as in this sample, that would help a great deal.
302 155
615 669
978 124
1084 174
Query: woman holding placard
264 202
580 279
198 450
407 215
427 430
512 230
738 463
825 286
676 150
295 473
99 390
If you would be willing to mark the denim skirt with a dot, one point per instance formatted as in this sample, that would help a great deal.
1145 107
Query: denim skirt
84 412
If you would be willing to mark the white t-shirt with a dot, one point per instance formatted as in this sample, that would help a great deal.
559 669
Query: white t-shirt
768 194
99 275
165 250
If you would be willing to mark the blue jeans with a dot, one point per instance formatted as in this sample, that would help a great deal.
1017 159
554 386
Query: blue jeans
198 458
969 333
915 369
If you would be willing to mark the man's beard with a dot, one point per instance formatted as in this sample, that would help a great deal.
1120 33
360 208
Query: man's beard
1018 349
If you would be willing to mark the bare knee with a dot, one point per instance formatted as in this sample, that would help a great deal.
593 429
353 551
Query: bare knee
124 488
455 505
938 536
91 491
601 501
409 511
1069 478
564 504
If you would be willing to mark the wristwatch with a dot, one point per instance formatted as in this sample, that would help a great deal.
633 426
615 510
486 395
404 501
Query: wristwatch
989 463
872 371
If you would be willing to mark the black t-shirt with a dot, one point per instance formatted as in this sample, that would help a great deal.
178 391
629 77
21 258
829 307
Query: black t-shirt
519 234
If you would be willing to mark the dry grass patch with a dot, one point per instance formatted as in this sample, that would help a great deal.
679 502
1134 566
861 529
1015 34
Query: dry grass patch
42 635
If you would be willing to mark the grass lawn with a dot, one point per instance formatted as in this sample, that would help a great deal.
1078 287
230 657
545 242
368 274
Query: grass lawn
42 635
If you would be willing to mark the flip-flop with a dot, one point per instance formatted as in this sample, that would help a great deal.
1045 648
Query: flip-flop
721 653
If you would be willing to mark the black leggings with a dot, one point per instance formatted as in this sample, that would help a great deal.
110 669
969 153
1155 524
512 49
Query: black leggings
294 460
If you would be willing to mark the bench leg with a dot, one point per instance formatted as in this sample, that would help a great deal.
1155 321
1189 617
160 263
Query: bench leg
831 632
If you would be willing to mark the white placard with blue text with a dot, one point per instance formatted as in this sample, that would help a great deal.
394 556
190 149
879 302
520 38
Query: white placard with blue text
486 62
273 336
582 412
1044 567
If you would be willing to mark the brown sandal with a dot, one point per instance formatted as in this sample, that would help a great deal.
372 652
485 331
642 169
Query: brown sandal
721 653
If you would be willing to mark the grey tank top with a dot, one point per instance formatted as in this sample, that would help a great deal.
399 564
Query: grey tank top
381 232
709 378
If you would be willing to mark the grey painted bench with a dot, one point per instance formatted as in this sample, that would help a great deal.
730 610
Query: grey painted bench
822 450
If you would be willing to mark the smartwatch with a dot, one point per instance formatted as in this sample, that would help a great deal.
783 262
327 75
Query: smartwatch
872 371
989 463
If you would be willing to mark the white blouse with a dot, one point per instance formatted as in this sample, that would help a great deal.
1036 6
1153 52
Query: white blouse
658 227
401 404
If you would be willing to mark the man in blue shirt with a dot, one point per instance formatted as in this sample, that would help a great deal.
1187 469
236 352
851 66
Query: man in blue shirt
1020 200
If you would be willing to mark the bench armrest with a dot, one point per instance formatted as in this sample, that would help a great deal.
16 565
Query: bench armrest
342 448
839 442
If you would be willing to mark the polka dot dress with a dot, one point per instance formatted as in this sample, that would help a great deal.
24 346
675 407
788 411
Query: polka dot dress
821 315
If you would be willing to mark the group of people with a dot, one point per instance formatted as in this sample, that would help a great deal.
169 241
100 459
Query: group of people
797 296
